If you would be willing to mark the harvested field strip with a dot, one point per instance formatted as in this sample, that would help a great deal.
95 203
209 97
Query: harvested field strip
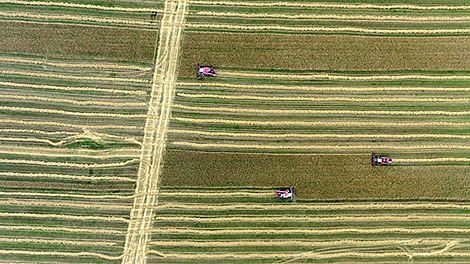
372 18
61 112
341 206
47 152
66 195
318 123
62 229
52 143
325 88
59 253
66 204
71 88
76 18
432 160
68 164
58 241
67 217
329 5
32 131
70 101
345 77
328 29
73 77
73 5
319 147
66 177
294 135
216 194
58 124
360 218
97 65
324 112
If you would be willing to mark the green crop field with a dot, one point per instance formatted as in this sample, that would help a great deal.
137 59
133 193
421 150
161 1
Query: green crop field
112 152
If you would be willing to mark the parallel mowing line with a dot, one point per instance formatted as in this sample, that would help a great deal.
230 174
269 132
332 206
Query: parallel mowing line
318 123
49 124
346 76
45 152
32 131
322 99
66 177
59 253
324 88
331 16
62 112
66 217
215 194
73 77
71 88
329 29
295 135
106 231
18 202
72 65
73 5
65 195
330 5
68 164
69 101
320 112
58 241
431 160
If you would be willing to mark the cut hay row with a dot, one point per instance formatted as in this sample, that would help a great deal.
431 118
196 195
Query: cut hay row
216 194
66 217
66 177
78 153
58 241
294 219
372 18
76 18
329 5
296 135
68 164
73 5
342 206
74 65
328 29
69 101
59 124
325 88
73 77
432 160
62 112
322 99
71 88
32 131
58 253
17 202
107 231
328 112
318 123
318 147
65 195
46 141
345 77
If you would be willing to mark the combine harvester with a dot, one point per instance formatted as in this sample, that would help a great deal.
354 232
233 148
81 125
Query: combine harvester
202 71
379 160
286 193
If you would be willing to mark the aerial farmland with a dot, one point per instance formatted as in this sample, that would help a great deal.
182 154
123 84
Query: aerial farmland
229 131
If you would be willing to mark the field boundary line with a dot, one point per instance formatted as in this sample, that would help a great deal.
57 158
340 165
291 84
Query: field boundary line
163 90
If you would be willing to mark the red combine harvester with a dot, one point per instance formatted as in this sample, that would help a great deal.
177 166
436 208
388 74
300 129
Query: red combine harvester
286 193
379 160
202 71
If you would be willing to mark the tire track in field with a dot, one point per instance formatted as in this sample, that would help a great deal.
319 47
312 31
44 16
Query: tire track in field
155 132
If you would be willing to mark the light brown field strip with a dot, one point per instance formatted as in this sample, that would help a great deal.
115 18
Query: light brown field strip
18 202
69 101
58 241
328 29
319 123
323 99
62 112
330 5
73 5
68 164
97 65
32 131
58 124
216 194
66 195
71 88
80 153
324 112
341 206
67 177
296 135
372 18
324 88
432 160
62 229
318 147
73 77
66 217
346 77
58 253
